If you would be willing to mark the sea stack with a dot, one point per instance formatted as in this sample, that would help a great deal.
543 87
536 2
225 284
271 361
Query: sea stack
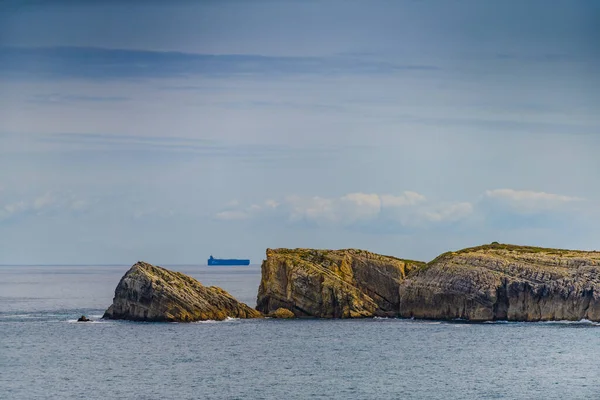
150 293
505 282
331 283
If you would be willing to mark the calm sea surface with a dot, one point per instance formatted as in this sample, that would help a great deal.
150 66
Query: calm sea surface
44 354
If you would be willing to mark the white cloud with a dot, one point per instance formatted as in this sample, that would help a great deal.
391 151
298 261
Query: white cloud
313 208
78 205
232 215
12 209
407 199
449 212
15 207
271 203
358 206
44 201
392 212
47 203
408 209
528 200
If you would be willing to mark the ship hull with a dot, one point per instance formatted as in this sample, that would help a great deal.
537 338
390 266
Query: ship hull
216 261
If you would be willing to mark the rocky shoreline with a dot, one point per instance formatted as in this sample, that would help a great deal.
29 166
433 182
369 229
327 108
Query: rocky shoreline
484 283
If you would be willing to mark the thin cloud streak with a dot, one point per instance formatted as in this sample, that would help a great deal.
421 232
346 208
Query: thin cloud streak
101 63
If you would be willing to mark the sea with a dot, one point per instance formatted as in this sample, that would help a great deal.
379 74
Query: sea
46 354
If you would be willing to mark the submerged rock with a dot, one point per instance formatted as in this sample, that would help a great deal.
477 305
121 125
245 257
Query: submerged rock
505 282
150 293
331 283
83 318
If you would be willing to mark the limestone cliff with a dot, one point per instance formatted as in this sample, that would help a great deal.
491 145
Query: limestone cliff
331 283
504 282
150 293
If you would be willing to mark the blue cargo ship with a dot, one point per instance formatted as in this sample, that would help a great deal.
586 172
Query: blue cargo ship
219 261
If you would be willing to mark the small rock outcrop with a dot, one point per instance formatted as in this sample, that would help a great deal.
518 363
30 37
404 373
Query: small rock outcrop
505 282
282 313
150 293
83 318
331 283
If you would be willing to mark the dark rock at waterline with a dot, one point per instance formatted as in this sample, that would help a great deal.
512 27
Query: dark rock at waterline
83 318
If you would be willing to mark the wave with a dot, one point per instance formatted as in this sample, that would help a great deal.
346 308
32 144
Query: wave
214 321
566 322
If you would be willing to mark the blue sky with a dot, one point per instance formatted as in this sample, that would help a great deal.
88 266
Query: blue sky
167 132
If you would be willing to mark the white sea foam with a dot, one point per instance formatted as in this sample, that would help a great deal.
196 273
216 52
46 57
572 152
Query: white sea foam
579 322
212 321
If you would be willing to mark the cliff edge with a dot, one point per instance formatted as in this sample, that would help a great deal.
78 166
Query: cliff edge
150 293
505 282
331 283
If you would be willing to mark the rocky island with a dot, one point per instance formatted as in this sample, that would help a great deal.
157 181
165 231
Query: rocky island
150 293
490 282
331 283
505 282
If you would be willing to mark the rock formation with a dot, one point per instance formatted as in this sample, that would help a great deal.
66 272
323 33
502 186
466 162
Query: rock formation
331 283
282 313
150 293
503 282
83 318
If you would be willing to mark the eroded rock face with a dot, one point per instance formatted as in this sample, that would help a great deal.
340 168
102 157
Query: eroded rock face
150 293
503 282
331 283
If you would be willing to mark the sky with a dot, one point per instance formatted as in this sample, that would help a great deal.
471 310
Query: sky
170 131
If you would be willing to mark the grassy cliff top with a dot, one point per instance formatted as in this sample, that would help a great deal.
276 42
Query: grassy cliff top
311 253
502 247
515 251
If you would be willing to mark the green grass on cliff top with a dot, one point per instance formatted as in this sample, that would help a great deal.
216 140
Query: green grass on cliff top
494 246
305 251
512 248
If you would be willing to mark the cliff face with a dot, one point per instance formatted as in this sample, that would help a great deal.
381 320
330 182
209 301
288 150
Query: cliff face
331 283
150 293
503 282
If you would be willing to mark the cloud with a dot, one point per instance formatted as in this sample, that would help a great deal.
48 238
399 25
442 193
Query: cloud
12 209
57 98
528 201
406 199
411 211
104 63
271 203
357 209
109 144
231 215
449 212
46 203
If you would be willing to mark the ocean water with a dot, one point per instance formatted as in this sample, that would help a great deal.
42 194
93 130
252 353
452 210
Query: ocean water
45 354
